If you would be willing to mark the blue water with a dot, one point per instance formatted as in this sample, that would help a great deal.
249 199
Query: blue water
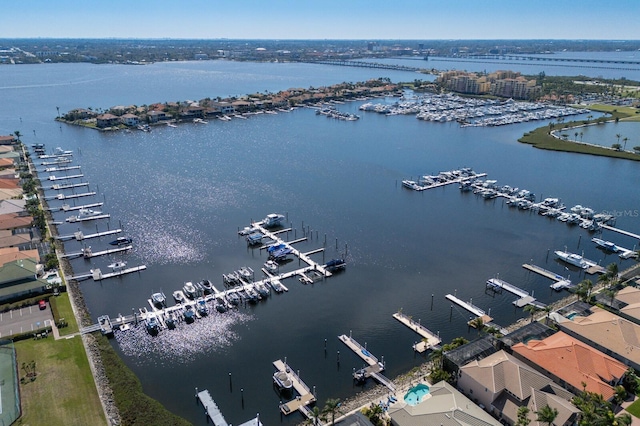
416 393
181 194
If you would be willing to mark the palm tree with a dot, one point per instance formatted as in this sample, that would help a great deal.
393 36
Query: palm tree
547 414
581 135
618 137
619 396
531 309
18 134
477 323
331 407
624 419
523 416
315 415
583 290
625 139
612 270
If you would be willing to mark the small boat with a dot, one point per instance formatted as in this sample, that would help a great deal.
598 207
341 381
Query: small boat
275 247
272 220
118 266
207 287
178 296
219 305
263 290
158 299
190 290
255 238
283 380
410 184
245 273
233 298
151 323
606 245
231 279
248 230
86 214
171 125
281 253
189 313
171 321
335 264
276 285
121 241
252 295
202 308
271 266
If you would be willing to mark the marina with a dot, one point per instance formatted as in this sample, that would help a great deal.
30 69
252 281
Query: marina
304 397
497 285
429 339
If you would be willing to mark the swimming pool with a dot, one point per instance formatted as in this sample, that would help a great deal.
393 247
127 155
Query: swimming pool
416 393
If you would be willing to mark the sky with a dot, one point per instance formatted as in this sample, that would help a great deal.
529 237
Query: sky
322 19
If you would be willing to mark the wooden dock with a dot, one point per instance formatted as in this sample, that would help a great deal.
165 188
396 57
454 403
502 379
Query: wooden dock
65 177
374 368
70 196
304 398
98 275
74 219
470 307
59 187
79 236
525 298
559 283
429 339
210 408
88 254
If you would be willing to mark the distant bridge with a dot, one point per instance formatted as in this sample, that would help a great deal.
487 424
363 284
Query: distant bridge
362 64
552 58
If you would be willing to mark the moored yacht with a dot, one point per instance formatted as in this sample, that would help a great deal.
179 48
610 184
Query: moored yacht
272 219
190 290
572 259
159 299
606 245
283 380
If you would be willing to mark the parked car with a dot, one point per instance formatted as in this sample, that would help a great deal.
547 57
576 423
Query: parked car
42 305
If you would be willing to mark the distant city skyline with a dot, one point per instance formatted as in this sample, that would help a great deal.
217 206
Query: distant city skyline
329 19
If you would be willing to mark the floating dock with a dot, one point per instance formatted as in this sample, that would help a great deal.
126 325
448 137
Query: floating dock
74 219
79 236
59 187
68 197
98 275
68 208
304 398
525 298
52 177
88 254
429 341
210 408
560 282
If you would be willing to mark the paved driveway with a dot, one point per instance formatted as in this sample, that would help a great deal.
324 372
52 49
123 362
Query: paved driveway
24 320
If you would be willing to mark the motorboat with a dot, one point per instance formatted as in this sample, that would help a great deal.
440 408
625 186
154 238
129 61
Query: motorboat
231 279
86 214
282 379
252 294
121 241
281 253
247 230
272 219
220 305
202 308
263 290
275 247
255 238
171 321
410 184
151 324
245 273
190 290
606 245
233 298
159 299
189 313
335 264
117 266
276 285
572 259
271 266
207 287
179 296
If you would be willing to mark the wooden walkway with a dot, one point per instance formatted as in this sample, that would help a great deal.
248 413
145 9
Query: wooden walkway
430 340
210 408
304 398
525 298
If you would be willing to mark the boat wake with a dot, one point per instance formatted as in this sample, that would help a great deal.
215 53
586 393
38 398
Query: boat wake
185 343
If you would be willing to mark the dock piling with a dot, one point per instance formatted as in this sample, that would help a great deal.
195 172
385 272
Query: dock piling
432 301
450 313
230 383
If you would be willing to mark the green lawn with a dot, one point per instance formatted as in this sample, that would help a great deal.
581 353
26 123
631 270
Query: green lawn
634 409
64 310
625 113
63 392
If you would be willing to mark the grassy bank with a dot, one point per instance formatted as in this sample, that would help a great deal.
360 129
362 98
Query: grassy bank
135 407
63 392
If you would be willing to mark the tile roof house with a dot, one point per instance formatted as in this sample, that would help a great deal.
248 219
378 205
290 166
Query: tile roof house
130 119
12 206
107 120
607 332
7 140
444 405
14 221
502 384
572 363
12 254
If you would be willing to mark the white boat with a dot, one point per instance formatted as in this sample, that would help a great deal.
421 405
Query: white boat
606 245
190 290
245 273
410 184
158 299
272 219
171 125
178 296
282 380
276 285
271 265
119 265
572 259
85 214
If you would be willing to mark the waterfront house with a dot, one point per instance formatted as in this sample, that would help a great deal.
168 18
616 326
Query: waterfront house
13 254
241 106
13 221
7 140
222 107
502 384
107 120
610 333
130 119
155 116
18 280
572 363
442 405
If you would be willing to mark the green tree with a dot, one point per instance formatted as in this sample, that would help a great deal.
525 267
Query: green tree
583 289
625 139
331 407
17 134
620 395
618 135
637 149
523 416
547 415
531 309
616 146
478 323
